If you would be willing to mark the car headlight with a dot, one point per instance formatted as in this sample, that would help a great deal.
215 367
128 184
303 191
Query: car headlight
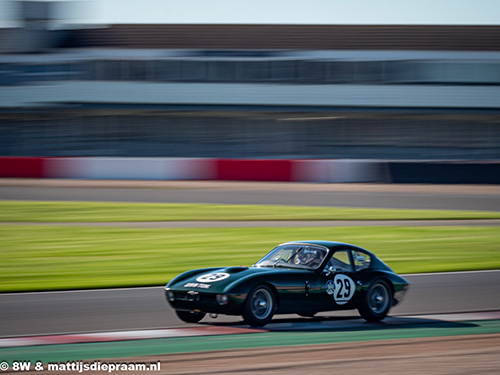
222 299
170 296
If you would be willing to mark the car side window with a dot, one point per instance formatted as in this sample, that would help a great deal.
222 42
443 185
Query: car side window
361 260
341 261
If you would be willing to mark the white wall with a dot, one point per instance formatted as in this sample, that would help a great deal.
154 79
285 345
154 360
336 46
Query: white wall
428 96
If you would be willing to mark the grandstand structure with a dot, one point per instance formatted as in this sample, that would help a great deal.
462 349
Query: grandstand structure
253 91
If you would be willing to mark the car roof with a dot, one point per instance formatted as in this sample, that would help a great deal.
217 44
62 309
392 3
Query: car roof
332 245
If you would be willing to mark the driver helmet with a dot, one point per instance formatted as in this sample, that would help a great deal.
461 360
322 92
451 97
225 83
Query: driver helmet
308 257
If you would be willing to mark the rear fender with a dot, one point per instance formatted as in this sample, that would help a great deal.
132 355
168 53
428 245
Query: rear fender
396 283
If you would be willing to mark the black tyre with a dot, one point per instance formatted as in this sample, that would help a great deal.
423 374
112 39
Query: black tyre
259 306
377 302
190 316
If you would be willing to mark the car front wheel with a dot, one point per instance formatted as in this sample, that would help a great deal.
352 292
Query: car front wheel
190 316
259 306
376 302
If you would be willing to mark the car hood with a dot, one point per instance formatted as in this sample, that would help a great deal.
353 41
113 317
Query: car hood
217 280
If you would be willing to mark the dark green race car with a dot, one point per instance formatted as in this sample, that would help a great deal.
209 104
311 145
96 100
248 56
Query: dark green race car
303 277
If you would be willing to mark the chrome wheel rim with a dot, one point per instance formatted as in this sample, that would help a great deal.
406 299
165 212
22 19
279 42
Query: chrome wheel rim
379 299
262 304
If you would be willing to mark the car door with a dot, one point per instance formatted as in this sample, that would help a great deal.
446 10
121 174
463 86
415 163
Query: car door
339 283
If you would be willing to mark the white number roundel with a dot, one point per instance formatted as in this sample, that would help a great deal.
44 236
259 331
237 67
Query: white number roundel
212 277
344 289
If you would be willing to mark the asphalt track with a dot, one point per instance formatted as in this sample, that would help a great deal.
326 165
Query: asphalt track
481 197
145 308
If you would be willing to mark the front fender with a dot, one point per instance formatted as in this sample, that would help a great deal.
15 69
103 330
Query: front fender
243 285
188 274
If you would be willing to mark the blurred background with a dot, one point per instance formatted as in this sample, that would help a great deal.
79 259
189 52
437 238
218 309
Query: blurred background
267 90
279 80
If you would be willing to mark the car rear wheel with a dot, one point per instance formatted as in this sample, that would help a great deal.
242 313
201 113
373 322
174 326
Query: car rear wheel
259 306
376 302
190 316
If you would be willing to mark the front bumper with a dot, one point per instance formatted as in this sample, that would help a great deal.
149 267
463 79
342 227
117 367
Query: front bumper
190 300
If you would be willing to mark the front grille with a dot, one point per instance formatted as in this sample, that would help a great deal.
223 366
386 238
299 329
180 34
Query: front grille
194 297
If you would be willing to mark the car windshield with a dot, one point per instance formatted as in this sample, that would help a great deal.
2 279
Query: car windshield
294 256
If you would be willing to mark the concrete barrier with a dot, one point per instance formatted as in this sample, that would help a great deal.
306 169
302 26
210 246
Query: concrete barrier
131 168
253 170
22 167
338 170
434 172
323 171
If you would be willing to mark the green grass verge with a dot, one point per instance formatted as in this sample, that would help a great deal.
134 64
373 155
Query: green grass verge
54 257
23 211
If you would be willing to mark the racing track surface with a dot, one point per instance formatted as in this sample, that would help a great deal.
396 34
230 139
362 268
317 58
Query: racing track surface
142 308
146 308
456 197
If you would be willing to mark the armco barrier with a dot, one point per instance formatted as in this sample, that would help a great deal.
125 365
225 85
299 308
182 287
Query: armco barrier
325 171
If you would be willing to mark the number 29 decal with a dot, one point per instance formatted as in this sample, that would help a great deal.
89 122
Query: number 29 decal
342 289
